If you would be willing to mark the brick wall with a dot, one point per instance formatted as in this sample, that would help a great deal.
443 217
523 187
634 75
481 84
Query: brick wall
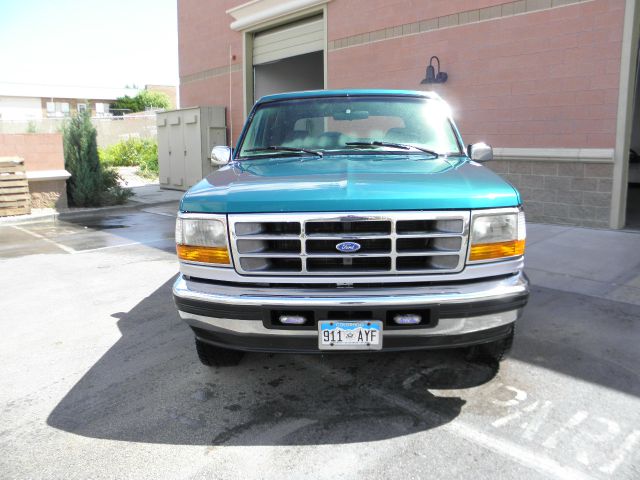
548 78
40 152
206 68
521 74
535 74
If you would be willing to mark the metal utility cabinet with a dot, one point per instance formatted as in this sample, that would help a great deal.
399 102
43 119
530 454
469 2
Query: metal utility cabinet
185 140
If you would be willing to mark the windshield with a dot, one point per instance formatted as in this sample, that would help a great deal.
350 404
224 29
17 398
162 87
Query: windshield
350 125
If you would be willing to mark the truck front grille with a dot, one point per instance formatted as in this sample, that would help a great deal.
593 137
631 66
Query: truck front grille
390 243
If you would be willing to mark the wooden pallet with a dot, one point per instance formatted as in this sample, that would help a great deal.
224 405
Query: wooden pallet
14 187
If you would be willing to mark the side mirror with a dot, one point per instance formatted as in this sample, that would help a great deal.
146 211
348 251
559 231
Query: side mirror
220 156
480 152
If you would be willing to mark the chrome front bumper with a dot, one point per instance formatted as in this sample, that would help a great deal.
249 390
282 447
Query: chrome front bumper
234 316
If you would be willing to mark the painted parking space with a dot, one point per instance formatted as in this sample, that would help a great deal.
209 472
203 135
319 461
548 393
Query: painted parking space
88 233
100 377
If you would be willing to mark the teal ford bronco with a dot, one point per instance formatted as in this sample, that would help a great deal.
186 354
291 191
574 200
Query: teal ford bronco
347 221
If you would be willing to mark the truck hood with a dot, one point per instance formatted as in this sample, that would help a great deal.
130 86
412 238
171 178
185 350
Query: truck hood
349 183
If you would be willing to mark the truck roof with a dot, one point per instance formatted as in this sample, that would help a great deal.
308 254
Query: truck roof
348 93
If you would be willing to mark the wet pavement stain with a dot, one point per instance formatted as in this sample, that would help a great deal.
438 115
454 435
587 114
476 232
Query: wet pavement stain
276 382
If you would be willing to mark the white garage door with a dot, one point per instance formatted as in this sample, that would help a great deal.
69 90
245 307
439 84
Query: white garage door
304 36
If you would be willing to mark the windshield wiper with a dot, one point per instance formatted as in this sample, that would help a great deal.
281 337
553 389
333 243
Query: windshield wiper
402 146
286 149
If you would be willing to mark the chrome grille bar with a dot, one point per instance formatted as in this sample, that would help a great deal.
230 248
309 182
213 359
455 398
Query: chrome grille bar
445 235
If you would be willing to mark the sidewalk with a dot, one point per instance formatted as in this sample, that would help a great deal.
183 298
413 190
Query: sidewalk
150 194
598 263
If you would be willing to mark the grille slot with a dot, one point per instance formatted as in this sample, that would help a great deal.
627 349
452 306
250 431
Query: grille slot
390 243
267 228
443 262
268 246
279 264
349 264
406 227
349 227
429 244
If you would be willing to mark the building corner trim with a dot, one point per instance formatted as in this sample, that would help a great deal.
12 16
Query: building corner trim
626 90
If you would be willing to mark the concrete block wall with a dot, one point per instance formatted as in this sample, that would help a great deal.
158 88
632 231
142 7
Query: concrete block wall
110 129
572 193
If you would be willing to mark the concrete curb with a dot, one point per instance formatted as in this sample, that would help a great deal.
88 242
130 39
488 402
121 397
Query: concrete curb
90 212
77 213
31 218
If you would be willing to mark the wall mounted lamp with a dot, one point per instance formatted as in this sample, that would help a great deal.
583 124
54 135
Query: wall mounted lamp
431 76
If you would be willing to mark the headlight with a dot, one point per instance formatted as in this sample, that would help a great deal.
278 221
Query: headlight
202 240
497 236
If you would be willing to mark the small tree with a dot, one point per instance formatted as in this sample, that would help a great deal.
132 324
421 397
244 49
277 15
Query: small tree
144 100
125 103
90 185
82 161
149 99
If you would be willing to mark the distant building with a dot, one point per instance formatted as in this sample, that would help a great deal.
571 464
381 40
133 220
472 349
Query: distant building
32 102
168 90
552 84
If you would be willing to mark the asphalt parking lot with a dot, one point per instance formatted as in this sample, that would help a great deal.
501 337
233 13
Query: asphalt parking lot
99 378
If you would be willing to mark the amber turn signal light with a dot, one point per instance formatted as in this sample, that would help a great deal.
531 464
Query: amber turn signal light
203 254
490 251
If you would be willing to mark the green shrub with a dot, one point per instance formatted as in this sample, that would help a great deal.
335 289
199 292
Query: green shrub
113 193
142 153
90 184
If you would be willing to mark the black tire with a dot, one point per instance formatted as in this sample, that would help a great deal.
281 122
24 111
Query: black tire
213 356
493 351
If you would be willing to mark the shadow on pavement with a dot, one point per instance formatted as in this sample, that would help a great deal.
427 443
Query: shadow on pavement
584 337
149 387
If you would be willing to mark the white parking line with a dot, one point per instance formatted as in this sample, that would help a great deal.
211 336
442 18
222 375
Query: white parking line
48 240
157 212
530 458
89 250
627 447
73 251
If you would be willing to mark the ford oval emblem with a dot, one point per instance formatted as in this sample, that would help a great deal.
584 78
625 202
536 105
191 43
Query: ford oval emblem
348 247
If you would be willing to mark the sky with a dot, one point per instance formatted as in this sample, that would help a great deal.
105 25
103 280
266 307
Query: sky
107 43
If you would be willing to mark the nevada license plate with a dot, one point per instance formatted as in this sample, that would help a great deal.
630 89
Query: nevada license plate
349 335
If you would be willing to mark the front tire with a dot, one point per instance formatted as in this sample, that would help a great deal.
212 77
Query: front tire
213 356
494 351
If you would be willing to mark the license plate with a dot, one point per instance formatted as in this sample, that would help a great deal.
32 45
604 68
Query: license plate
349 335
